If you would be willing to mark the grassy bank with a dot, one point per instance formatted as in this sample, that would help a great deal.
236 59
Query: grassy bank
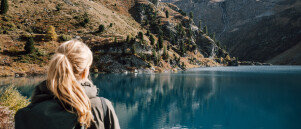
10 102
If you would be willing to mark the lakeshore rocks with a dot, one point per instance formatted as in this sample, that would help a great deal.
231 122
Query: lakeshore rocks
253 63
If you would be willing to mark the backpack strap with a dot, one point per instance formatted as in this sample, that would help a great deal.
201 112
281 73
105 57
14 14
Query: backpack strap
104 107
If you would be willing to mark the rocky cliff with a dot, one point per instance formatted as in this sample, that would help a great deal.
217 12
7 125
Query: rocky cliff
256 30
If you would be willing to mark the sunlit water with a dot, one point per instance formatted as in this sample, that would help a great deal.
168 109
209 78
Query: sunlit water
250 97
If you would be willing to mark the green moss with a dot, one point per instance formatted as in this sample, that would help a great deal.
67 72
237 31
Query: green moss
11 98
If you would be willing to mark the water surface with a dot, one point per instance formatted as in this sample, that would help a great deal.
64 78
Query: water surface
247 97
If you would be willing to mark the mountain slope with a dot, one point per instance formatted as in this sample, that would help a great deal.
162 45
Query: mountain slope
123 46
252 30
291 56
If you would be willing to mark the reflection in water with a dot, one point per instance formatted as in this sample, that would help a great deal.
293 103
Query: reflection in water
23 84
156 100
211 98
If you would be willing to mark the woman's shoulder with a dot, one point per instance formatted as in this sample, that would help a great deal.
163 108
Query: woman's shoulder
100 101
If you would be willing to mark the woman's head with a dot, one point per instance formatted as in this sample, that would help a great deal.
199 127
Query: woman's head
69 65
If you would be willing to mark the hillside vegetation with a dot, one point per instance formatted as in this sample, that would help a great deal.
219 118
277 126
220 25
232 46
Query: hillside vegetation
123 35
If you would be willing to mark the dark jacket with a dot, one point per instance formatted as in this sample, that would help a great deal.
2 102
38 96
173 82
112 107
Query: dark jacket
46 112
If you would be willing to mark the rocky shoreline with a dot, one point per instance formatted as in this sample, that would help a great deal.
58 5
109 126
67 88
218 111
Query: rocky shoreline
126 70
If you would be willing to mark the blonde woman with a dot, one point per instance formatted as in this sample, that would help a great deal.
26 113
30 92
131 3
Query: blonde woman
68 99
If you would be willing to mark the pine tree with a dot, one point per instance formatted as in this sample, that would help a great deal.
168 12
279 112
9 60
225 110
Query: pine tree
154 53
115 40
51 34
167 14
165 54
200 24
205 30
147 33
182 48
29 46
128 38
4 7
213 36
133 49
152 39
160 42
191 15
140 36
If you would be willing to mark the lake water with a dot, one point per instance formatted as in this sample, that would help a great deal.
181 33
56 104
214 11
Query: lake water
246 97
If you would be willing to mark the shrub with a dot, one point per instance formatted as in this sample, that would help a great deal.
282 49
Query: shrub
51 34
85 20
101 28
111 24
65 37
4 6
29 46
58 7
12 99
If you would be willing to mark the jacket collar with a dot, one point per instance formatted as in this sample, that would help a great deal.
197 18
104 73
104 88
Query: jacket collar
42 93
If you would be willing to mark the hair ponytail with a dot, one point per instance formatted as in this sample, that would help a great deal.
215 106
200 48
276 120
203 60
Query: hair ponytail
65 68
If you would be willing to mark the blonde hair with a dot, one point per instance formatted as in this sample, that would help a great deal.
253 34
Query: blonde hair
68 65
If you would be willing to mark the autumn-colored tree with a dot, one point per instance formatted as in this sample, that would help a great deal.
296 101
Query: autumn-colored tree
51 34
227 58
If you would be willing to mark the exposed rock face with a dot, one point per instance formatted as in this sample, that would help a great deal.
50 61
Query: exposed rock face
119 63
251 29
208 47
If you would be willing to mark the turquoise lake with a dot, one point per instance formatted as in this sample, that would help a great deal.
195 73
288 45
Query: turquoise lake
245 97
